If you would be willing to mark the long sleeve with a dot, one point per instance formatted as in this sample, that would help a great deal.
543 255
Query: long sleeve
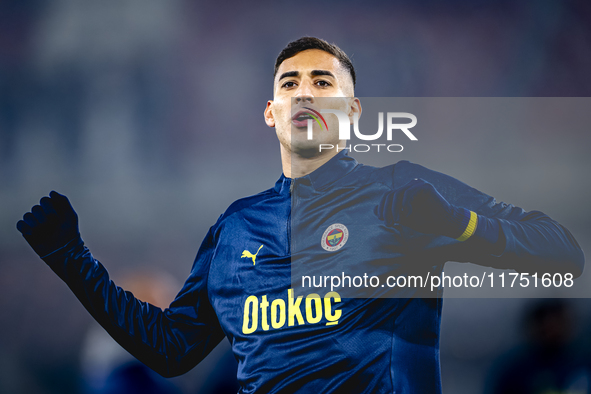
528 241
170 341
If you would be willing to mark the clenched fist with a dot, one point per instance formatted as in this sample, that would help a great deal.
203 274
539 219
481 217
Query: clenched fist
420 206
50 225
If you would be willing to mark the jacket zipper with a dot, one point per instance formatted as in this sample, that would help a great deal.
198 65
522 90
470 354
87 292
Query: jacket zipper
293 202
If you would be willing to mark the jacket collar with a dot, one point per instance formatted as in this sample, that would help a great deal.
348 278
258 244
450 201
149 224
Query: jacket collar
331 171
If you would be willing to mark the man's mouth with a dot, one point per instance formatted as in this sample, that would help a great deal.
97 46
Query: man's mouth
300 118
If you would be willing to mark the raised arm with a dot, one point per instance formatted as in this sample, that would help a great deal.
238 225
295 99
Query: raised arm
170 341
485 232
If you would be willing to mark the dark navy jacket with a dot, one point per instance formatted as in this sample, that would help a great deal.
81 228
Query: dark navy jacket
288 338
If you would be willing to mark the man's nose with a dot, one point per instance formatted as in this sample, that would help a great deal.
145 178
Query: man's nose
304 98
304 93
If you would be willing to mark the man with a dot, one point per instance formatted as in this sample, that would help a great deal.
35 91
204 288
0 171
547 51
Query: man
397 218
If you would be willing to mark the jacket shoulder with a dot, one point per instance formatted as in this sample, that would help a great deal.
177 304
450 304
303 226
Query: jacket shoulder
371 174
397 174
247 202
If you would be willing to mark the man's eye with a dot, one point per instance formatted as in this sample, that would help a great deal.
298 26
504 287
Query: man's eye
323 83
288 84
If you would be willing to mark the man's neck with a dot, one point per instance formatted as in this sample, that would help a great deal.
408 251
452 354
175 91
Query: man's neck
296 166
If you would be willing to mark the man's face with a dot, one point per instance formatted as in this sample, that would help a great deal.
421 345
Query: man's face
304 80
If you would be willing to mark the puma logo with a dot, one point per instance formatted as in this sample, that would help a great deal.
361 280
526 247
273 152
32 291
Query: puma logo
246 253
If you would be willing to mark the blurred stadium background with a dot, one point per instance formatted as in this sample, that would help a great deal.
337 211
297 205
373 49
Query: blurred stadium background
148 115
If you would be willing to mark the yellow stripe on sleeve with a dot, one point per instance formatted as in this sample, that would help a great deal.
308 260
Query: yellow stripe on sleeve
470 228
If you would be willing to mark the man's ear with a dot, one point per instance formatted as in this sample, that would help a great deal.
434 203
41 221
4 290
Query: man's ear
269 118
355 107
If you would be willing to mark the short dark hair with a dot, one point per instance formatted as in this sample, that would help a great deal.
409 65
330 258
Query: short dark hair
305 43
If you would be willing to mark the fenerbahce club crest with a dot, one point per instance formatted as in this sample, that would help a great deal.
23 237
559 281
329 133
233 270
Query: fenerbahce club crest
334 237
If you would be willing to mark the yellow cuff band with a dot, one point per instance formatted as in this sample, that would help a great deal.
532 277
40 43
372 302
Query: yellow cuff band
470 228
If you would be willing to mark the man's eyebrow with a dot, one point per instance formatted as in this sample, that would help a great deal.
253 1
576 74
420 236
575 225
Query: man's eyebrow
313 72
322 72
289 74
